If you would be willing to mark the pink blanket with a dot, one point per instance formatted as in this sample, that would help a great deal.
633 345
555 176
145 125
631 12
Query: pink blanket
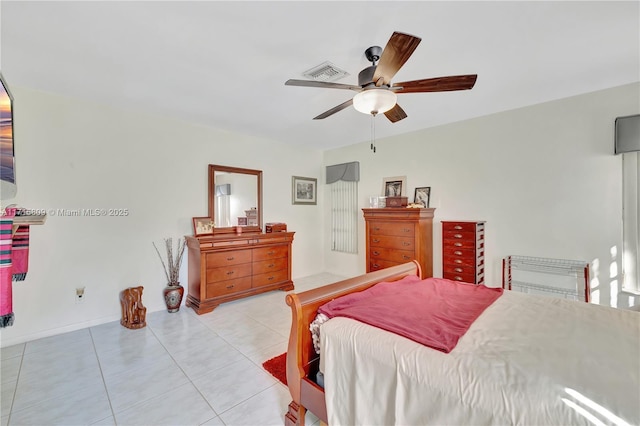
434 312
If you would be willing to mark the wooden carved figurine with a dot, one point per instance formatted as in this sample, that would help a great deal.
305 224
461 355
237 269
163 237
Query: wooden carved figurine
133 312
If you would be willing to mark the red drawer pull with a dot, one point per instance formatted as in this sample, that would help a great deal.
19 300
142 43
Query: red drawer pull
270 278
457 244
230 258
230 286
457 227
272 265
376 253
457 253
230 273
457 261
457 278
376 228
457 235
375 265
376 241
404 256
458 269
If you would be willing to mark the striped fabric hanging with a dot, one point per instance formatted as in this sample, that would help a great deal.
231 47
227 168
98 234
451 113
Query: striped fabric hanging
6 272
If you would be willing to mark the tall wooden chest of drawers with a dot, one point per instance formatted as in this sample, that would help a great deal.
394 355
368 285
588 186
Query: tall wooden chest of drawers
463 251
228 267
397 235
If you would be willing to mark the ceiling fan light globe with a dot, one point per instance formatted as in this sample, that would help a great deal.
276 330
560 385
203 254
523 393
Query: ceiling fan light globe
374 101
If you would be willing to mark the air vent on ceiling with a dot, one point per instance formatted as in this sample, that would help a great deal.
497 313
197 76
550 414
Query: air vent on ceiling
325 72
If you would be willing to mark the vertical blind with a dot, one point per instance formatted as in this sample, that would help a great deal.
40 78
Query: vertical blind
343 182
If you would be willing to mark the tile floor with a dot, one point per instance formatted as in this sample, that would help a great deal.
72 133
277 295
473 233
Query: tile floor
181 369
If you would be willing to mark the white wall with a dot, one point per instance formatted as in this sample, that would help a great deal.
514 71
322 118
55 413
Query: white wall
77 155
543 177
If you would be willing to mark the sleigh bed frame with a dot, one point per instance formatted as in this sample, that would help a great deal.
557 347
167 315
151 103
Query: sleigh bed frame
302 361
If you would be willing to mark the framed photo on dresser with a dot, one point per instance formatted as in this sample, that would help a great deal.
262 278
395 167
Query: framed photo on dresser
422 195
202 226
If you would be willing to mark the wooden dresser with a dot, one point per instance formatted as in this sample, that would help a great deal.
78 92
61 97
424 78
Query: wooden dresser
463 251
397 235
229 267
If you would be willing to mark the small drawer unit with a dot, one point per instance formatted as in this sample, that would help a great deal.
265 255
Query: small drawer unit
463 251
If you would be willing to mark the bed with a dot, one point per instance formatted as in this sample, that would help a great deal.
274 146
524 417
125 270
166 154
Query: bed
525 360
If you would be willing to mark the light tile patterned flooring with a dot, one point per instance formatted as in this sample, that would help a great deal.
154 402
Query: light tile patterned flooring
181 369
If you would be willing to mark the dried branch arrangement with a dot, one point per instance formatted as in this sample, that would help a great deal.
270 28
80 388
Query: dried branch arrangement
172 266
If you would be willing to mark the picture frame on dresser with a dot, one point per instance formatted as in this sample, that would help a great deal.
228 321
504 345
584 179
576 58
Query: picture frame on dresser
304 190
202 226
422 195
394 186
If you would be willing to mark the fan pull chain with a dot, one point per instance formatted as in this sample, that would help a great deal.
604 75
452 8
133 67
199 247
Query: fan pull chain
373 132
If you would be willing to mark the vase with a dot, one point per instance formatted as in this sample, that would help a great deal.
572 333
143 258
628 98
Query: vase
173 297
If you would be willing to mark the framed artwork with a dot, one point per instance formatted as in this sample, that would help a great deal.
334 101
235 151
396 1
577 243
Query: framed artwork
304 190
422 195
394 186
202 226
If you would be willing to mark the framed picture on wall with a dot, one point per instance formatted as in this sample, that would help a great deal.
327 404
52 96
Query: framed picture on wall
394 186
304 190
422 195
202 226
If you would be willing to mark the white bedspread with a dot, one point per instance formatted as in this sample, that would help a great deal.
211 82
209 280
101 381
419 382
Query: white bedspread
527 360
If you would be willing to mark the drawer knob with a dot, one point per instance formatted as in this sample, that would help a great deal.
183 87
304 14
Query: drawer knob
376 266
376 253
457 261
271 252
457 253
230 273
376 228
406 243
404 256
270 278
457 244
272 265
458 269
376 241
407 230
230 286
230 258
457 235
457 227
457 278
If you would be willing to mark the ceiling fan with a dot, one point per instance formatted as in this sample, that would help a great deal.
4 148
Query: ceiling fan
376 94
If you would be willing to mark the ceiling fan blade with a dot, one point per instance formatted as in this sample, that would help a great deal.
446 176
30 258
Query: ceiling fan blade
322 84
438 84
398 49
334 110
395 114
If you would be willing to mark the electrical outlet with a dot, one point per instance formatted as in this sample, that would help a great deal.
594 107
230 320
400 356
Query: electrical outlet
80 295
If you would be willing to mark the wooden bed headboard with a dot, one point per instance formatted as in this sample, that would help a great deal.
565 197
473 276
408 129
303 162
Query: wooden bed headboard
301 356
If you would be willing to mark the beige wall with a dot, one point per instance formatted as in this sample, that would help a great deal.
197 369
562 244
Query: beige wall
543 177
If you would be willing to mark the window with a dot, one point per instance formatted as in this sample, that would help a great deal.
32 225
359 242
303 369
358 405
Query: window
343 182
630 219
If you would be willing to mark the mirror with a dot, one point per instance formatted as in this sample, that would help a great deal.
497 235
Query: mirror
235 199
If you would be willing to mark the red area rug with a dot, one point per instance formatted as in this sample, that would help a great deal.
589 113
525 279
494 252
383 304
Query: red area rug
277 366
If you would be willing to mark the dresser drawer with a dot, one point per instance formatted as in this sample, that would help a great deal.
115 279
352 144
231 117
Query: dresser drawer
222 288
228 272
269 278
272 252
401 256
457 252
270 265
458 244
376 265
459 235
392 228
459 269
215 260
461 226
459 261
397 243
466 278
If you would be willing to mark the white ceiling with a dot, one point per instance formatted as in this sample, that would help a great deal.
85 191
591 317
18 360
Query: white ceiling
224 64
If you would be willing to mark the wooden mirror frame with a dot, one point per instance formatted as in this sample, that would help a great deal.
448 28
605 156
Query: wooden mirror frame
213 168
